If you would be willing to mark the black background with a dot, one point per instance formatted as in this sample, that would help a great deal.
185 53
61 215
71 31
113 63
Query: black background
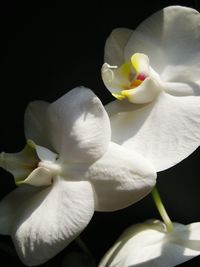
45 52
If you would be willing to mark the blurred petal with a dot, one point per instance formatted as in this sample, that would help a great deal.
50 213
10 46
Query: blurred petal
148 244
79 127
114 47
165 131
35 123
45 221
171 40
120 178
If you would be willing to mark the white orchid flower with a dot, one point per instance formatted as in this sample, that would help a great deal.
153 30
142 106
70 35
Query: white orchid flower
68 171
149 244
155 72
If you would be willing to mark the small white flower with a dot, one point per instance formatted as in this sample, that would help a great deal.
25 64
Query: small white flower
155 72
68 171
149 244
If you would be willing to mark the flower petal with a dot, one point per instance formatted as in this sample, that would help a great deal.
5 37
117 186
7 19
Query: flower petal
45 221
19 164
43 153
38 177
115 79
114 47
120 178
79 127
171 40
147 244
35 123
165 131
10 205
146 92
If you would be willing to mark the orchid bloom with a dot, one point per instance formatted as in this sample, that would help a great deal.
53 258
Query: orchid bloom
149 244
154 72
68 169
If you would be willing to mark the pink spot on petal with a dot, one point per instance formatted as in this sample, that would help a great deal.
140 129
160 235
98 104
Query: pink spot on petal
141 77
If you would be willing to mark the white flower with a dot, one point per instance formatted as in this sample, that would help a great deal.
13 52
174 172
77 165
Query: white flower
69 170
155 72
148 244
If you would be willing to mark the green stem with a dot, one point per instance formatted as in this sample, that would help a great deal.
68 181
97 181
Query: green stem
83 246
156 197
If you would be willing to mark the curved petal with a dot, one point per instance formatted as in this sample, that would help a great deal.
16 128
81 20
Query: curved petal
19 164
120 178
79 127
144 93
148 244
165 131
38 177
182 88
35 123
45 221
114 47
10 205
116 79
171 40
43 153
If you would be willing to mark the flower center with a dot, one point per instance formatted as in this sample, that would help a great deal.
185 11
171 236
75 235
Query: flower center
132 74
34 165
135 80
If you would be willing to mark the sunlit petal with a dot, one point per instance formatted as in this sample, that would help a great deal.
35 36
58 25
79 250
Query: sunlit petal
170 38
80 127
165 131
120 178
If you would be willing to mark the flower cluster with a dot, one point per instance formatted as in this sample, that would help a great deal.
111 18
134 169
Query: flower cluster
154 72
81 157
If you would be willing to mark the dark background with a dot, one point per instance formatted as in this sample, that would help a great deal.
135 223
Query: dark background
45 52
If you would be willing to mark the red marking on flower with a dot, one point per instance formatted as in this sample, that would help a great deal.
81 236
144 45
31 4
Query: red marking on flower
141 77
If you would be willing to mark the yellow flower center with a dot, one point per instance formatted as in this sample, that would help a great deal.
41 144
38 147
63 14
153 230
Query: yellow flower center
131 74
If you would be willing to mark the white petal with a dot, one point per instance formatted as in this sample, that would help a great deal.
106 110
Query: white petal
117 79
171 40
43 153
148 244
35 123
79 127
19 164
38 177
47 220
10 205
165 131
114 47
182 88
144 93
110 78
120 178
